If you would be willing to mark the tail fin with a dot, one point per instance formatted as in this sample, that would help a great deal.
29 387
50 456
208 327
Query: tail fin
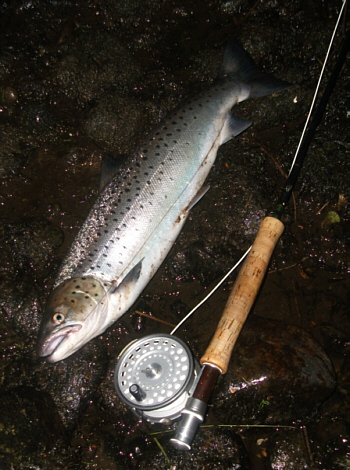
238 64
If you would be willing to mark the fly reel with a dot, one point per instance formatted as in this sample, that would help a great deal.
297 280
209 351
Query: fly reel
155 376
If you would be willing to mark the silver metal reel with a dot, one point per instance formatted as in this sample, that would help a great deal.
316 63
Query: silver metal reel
155 376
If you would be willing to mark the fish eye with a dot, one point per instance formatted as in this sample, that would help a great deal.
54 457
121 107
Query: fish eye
58 317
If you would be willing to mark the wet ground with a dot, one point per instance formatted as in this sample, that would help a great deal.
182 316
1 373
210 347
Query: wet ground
82 80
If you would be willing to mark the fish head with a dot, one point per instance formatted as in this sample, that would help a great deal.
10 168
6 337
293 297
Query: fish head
76 312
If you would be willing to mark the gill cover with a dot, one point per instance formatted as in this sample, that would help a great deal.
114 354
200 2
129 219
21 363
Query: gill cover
80 309
69 306
75 298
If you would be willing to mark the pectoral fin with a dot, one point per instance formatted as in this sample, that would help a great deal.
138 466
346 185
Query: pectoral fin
232 127
129 280
197 197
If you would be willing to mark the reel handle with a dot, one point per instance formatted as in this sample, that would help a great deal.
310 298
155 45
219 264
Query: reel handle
243 295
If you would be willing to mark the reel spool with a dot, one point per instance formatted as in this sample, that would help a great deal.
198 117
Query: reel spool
155 376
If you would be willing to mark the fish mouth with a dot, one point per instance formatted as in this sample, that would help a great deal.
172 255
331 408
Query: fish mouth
50 345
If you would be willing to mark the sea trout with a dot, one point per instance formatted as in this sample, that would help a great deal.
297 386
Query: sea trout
141 211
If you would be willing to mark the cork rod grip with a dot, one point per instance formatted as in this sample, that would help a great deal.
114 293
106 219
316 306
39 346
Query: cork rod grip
243 294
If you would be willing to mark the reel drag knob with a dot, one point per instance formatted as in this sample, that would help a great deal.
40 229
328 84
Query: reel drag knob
137 392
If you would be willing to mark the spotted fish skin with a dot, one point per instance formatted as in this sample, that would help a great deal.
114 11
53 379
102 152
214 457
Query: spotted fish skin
139 214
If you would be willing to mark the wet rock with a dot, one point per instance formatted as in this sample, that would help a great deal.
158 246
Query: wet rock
11 158
87 74
337 340
101 440
29 426
20 298
288 451
285 448
114 124
278 375
8 95
73 382
26 251
180 308
213 448
30 243
330 432
199 260
19 301
70 383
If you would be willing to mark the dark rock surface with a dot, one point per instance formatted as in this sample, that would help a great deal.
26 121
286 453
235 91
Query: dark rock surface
278 375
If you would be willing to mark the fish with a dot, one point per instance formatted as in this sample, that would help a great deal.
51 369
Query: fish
142 209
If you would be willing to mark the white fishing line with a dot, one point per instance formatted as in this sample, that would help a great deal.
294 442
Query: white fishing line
291 168
211 292
318 84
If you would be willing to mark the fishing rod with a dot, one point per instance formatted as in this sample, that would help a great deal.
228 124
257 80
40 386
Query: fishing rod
216 358
157 376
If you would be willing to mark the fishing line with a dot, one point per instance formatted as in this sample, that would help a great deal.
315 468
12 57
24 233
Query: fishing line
302 148
318 85
211 292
